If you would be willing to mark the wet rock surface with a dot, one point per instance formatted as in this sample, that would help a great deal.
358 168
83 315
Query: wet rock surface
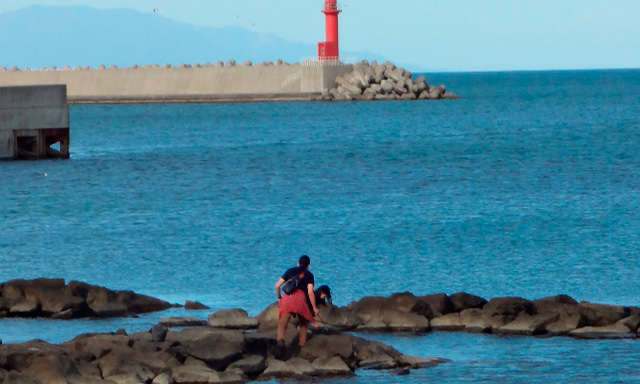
197 355
233 319
404 312
53 298
373 81
233 347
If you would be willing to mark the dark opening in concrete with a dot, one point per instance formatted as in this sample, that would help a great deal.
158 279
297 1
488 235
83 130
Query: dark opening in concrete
35 144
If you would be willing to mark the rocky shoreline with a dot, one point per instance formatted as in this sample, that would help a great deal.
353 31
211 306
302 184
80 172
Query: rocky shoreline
227 350
53 298
196 355
463 312
233 347
401 312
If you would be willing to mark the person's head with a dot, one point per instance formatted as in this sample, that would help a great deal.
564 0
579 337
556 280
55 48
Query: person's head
304 262
323 293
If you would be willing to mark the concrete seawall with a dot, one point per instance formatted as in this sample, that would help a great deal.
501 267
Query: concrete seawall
32 120
238 83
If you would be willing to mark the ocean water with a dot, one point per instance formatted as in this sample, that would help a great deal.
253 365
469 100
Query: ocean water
528 186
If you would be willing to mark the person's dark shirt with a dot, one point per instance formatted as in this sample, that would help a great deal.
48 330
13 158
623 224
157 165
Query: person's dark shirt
306 279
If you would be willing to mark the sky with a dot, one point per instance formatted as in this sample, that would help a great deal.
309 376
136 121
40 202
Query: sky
446 35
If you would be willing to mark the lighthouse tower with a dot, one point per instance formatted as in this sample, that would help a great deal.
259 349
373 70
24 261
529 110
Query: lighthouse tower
328 50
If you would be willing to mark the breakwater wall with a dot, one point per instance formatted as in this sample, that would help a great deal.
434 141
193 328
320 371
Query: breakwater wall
32 120
185 84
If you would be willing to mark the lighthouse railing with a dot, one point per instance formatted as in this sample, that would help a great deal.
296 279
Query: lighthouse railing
328 62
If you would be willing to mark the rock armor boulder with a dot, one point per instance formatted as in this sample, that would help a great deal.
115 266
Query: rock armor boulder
219 355
373 81
196 355
379 314
194 305
403 312
54 299
233 319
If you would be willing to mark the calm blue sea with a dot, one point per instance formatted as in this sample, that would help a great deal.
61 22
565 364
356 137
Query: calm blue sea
528 186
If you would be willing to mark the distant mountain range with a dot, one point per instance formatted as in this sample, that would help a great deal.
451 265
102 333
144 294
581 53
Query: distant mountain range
42 36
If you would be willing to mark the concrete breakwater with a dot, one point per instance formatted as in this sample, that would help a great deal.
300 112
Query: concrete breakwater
231 82
206 83
33 120
373 81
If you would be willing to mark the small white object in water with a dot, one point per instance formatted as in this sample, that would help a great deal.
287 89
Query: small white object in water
45 174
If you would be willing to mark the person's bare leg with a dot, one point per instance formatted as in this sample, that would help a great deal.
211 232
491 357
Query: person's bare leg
303 332
283 321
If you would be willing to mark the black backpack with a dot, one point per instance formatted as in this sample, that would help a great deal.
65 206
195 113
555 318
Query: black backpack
291 285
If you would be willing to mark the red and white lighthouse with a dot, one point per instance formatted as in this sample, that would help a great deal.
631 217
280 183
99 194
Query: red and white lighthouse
329 50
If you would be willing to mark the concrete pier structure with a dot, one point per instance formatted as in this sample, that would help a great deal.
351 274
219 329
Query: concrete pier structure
33 121
191 84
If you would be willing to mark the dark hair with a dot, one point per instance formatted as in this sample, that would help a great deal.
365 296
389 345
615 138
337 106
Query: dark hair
304 261
319 291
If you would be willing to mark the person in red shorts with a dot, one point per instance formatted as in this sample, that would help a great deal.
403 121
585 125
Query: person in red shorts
296 303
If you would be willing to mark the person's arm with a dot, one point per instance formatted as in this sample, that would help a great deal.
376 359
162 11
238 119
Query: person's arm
312 298
278 285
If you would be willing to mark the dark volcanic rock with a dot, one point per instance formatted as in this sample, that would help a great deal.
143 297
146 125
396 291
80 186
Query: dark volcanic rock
233 319
175 322
601 315
251 365
432 306
374 355
217 348
565 324
159 333
477 321
195 355
137 303
558 299
194 305
632 322
381 314
105 303
463 300
339 318
52 298
323 346
215 355
615 331
508 307
450 323
569 314
332 366
268 318
294 369
528 325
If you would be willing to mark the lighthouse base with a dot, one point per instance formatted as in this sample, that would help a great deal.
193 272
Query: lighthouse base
328 50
